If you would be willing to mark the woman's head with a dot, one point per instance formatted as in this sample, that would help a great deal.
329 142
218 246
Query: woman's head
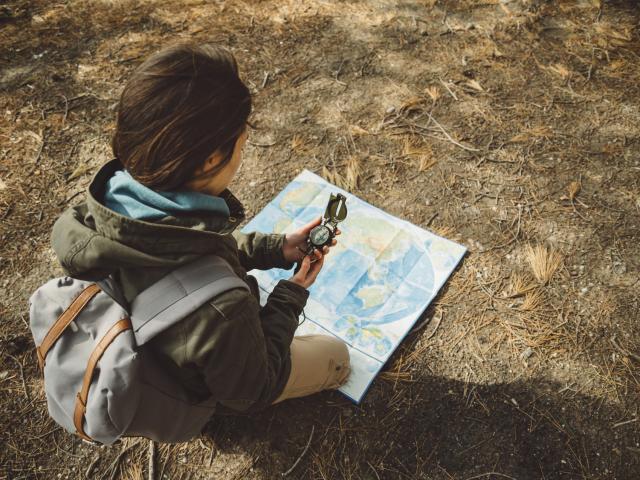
180 116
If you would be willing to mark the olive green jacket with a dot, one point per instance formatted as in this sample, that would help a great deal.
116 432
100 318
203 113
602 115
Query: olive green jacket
231 349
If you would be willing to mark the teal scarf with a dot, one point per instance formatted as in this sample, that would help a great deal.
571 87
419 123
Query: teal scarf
130 198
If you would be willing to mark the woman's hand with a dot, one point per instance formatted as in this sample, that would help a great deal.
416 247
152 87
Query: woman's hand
295 243
310 267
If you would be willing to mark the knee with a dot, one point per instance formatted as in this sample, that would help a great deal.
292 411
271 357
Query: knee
342 352
340 362
337 349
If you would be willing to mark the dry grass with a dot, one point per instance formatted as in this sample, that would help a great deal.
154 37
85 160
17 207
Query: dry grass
520 285
352 174
132 471
541 132
420 153
297 143
433 92
444 230
543 261
533 300
573 189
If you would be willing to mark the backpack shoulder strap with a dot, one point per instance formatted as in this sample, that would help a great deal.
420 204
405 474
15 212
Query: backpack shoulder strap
63 321
179 294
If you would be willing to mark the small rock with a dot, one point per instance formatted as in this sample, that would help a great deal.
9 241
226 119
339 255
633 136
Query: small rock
526 353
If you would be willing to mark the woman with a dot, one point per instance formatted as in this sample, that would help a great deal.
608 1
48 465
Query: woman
163 202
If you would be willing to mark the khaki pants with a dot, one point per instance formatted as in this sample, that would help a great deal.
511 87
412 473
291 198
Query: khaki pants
318 362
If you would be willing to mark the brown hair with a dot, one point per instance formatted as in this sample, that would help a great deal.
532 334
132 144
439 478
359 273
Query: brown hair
179 107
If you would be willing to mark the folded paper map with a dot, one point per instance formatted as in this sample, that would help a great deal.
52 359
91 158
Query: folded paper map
374 284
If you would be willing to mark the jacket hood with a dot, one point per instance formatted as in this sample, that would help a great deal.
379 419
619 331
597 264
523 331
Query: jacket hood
92 241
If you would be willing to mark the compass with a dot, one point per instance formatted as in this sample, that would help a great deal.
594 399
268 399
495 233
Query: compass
322 235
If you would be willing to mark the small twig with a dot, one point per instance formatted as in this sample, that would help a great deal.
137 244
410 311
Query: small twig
449 90
24 383
130 59
35 162
374 470
264 145
464 147
152 460
116 462
337 74
66 109
302 454
87 473
426 321
211 453
623 351
67 200
421 325
265 80
435 329
73 149
488 474
619 424
433 217
47 433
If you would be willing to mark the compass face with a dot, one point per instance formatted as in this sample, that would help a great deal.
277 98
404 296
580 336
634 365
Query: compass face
319 235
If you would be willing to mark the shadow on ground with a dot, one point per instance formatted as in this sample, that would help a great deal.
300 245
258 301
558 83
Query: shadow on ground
440 428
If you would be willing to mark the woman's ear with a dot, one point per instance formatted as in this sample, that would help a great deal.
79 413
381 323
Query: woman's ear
210 163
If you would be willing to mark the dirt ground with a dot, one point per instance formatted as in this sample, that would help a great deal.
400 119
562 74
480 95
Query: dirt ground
510 126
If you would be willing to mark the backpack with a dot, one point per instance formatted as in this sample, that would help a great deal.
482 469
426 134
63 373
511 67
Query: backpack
101 380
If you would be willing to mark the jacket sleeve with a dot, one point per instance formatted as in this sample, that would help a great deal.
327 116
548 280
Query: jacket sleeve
260 250
241 349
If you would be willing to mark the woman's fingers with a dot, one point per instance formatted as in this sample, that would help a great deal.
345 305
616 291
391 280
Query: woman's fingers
305 265
310 267
315 268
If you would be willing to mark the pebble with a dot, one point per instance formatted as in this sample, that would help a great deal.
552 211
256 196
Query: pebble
527 353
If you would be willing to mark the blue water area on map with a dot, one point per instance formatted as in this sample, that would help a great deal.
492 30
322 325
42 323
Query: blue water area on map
337 274
413 256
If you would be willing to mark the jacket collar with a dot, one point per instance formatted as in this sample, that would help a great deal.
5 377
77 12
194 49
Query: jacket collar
184 234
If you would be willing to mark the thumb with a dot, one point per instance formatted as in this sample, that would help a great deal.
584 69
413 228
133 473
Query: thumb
304 266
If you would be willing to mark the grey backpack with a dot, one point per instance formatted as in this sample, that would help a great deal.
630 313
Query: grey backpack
100 378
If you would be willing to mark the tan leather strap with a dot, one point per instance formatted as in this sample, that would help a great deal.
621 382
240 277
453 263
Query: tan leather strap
64 320
81 398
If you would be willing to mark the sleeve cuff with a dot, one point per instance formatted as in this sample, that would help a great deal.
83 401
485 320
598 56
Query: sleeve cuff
273 246
296 294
